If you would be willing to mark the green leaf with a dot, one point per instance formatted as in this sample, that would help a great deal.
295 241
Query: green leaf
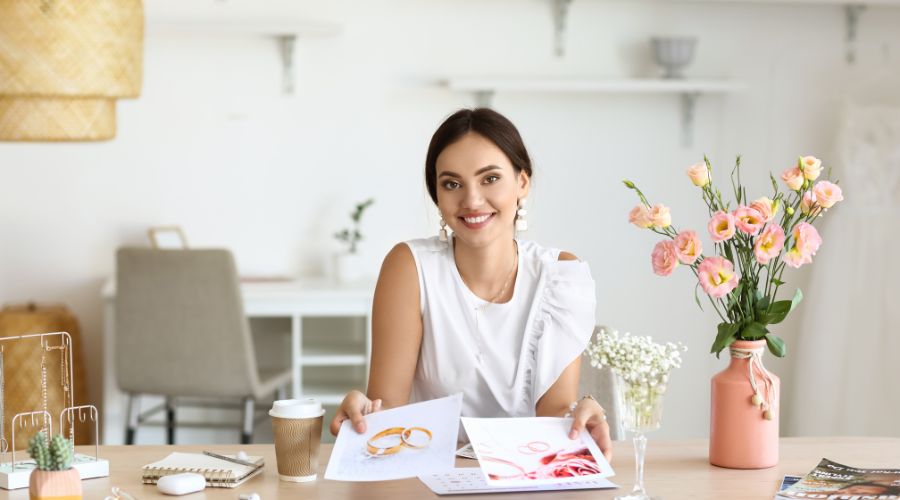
754 331
778 312
762 304
760 308
725 337
735 295
776 345
777 281
798 296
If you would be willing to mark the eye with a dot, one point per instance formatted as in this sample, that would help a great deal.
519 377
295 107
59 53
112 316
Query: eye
491 179
451 185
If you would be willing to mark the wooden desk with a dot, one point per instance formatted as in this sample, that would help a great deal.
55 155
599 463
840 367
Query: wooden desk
674 470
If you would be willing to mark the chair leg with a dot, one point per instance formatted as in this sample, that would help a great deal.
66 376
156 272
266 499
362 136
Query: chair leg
247 428
131 422
170 420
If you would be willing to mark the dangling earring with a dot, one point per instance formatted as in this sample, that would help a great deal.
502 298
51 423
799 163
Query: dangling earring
442 235
521 223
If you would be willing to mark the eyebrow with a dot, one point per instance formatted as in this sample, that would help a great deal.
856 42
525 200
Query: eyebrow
480 171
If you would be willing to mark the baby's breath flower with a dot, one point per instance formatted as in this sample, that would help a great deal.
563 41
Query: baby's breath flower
637 359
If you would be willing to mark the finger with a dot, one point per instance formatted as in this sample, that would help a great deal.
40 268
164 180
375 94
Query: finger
376 405
357 420
336 422
578 423
600 435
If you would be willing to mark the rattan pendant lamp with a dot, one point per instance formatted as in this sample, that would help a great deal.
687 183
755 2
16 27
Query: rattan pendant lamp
63 65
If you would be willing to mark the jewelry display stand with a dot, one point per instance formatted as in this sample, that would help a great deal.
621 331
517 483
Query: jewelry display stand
15 473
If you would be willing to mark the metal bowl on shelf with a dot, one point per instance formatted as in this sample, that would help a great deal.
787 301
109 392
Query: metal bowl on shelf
673 54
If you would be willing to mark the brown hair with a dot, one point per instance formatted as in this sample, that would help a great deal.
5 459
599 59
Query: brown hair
485 122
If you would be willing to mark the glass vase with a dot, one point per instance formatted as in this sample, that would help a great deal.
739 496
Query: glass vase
641 407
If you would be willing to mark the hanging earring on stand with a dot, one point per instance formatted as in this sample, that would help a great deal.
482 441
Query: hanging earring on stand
442 235
521 222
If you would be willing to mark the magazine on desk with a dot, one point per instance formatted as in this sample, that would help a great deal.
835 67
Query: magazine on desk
834 481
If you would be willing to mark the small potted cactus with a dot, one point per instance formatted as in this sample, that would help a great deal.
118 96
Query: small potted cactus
54 476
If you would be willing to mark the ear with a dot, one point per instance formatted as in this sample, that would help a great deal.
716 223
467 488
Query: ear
524 185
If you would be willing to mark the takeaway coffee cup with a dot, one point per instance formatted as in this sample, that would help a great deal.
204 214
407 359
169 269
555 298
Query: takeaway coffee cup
297 425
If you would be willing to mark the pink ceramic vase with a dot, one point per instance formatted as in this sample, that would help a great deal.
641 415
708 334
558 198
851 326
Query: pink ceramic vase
743 430
54 485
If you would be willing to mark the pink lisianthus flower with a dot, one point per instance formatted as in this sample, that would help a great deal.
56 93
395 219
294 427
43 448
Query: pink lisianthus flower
699 174
640 216
664 258
827 194
793 177
806 244
766 207
688 247
809 204
660 216
811 167
717 276
721 226
748 220
769 244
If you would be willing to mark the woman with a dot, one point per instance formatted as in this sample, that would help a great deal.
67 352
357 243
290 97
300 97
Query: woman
502 320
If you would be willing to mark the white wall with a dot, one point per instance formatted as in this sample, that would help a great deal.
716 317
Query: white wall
214 146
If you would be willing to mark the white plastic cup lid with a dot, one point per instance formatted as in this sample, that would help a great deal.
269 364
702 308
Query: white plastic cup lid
297 408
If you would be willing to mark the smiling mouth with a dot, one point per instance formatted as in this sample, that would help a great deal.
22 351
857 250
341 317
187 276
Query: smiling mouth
477 221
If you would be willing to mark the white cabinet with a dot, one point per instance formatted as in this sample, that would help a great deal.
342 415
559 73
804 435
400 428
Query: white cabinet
329 329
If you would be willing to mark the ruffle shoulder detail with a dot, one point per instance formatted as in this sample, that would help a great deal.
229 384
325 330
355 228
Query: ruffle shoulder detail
561 325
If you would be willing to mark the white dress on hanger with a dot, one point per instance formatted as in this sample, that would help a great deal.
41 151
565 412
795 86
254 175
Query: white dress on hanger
847 352
502 357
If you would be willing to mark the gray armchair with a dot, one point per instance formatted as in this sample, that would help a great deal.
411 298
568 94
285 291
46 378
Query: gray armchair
181 333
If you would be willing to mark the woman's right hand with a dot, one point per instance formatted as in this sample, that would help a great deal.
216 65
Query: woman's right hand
354 407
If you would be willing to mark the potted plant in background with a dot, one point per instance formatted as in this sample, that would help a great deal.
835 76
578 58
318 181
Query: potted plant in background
348 266
53 476
752 244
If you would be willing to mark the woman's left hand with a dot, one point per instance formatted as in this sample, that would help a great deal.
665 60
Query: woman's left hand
590 415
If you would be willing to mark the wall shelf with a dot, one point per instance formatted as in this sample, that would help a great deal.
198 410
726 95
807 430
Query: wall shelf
284 31
484 89
852 11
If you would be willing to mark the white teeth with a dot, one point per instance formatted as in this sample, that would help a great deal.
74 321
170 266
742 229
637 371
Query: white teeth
476 220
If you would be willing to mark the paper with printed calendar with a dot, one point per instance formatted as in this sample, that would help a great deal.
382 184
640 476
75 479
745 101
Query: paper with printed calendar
398 443
534 451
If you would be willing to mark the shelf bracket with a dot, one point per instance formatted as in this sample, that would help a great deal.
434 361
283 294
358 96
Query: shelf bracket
688 103
484 98
560 17
286 44
851 16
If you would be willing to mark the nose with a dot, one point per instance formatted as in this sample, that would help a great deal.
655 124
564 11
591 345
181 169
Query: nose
473 198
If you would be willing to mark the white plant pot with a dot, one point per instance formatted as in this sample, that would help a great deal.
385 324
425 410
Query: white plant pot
348 267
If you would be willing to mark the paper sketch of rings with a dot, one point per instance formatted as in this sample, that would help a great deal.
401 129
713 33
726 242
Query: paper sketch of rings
515 471
534 447
407 437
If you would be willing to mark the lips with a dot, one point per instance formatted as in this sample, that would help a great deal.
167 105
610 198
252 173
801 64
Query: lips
477 221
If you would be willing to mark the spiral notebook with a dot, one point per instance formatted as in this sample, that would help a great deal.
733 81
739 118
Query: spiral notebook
218 473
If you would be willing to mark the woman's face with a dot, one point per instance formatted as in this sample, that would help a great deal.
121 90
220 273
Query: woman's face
478 190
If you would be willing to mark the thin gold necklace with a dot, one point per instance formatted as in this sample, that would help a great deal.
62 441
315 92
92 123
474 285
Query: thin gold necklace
493 300
509 276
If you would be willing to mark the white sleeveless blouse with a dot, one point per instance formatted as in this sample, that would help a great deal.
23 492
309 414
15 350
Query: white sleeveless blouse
502 357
